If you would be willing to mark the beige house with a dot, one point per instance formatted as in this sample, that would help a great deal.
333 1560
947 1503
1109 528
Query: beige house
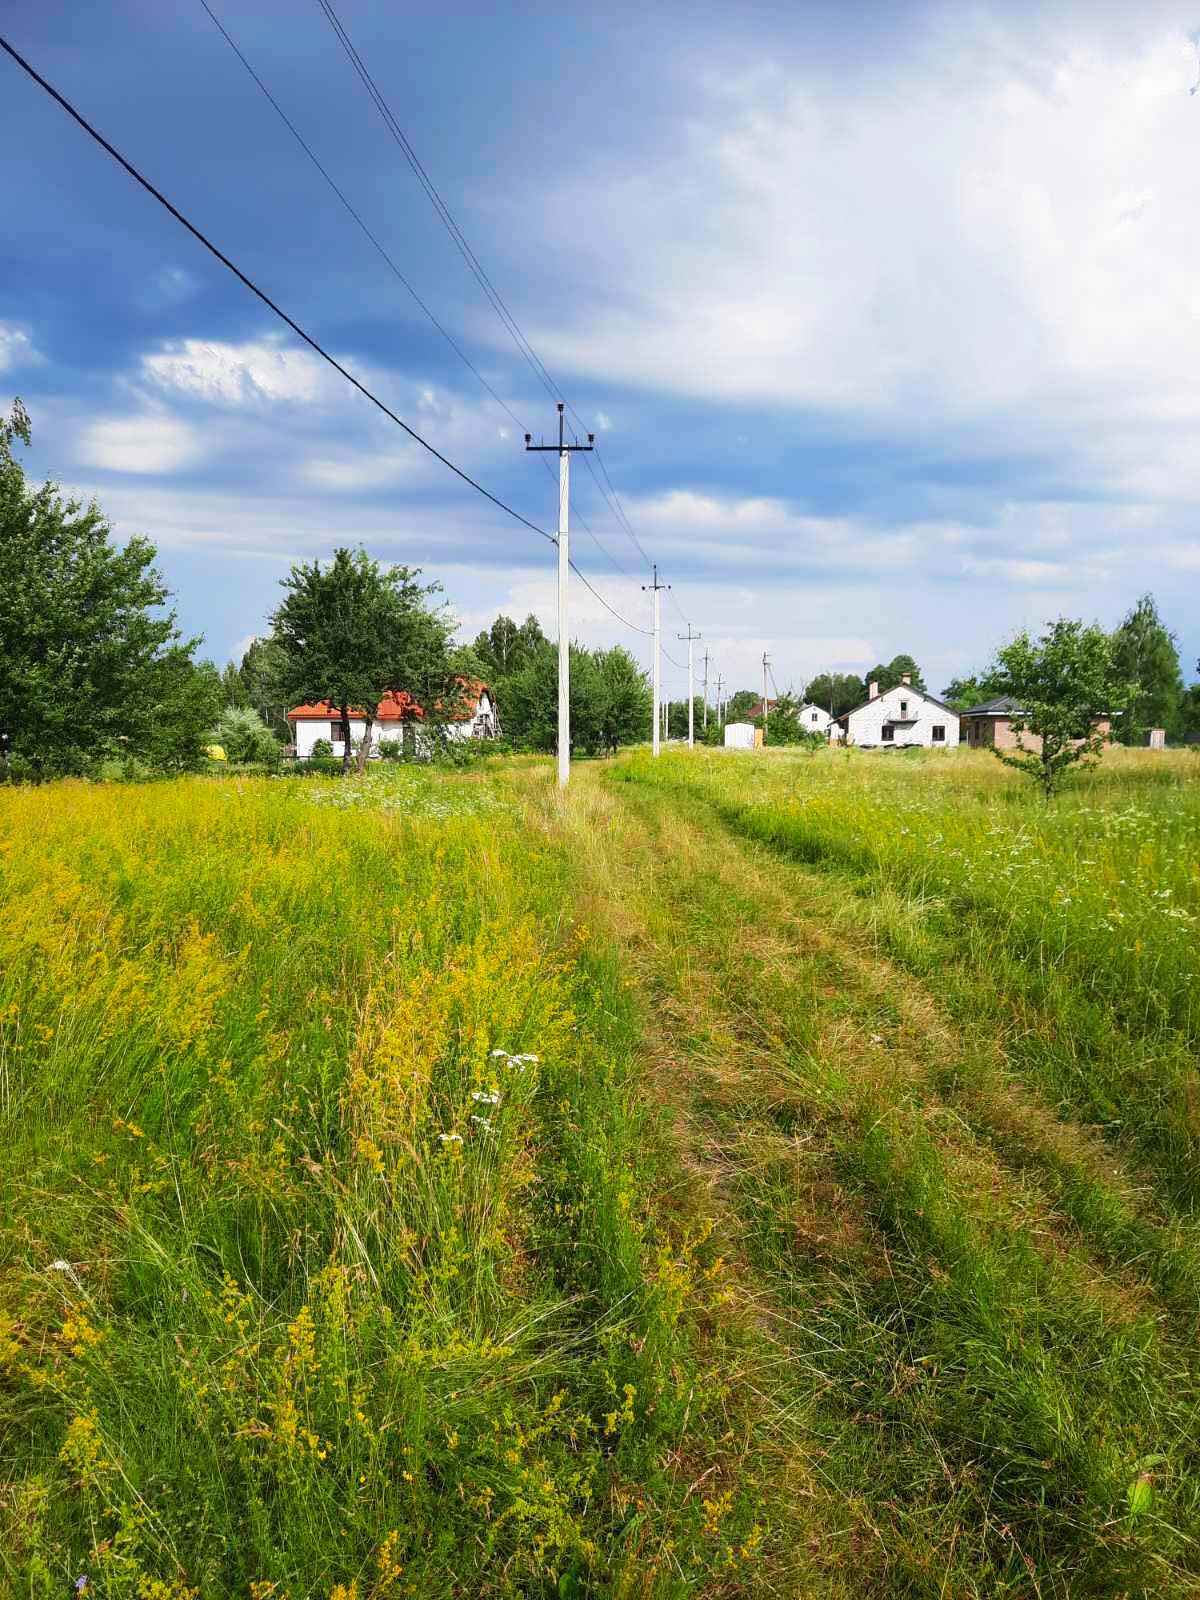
990 726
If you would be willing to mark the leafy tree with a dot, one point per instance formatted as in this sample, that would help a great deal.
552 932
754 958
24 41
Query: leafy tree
891 675
836 692
963 693
783 725
739 704
677 717
1189 709
351 631
233 689
532 701
625 698
1064 682
1144 654
92 665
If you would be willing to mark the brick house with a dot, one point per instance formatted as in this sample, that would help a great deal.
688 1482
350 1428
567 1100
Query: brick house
990 726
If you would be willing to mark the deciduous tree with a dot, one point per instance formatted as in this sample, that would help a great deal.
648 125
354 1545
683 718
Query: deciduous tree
1064 682
1144 654
351 630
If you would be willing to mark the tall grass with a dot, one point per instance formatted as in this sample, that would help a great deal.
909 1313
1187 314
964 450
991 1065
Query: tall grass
331 1257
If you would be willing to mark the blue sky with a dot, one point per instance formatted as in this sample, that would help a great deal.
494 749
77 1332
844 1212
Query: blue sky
888 323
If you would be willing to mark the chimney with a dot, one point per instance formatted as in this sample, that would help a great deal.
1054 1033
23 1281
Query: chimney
872 691
906 678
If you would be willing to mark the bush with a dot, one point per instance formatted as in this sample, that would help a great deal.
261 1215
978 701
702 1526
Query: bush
244 736
391 750
321 750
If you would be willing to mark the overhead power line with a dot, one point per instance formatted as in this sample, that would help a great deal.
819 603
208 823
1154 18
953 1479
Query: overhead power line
401 278
260 294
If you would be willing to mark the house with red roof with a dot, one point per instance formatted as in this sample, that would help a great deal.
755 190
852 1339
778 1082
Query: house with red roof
469 714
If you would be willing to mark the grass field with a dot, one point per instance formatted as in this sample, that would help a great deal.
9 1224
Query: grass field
748 1176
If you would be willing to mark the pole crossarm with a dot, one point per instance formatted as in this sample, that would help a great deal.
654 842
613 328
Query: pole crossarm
565 451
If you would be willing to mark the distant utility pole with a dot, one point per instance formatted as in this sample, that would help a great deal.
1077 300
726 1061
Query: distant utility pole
564 560
691 639
720 718
706 691
766 669
656 588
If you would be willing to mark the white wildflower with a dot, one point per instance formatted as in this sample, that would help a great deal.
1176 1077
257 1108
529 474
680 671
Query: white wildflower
485 1098
483 1123
450 1138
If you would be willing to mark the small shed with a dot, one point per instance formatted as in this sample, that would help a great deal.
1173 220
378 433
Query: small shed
1156 738
741 736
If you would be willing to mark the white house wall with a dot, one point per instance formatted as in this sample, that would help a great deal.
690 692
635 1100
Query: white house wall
866 724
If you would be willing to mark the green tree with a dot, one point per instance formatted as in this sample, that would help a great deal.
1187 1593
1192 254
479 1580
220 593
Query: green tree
350 631
891 675
963 693
531 717
92 664
625 698
836 692
1064 682
739 703
1144 655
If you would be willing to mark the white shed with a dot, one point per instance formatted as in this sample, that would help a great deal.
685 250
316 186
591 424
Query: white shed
740 735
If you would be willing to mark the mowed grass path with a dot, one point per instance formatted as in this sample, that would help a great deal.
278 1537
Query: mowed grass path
839 1240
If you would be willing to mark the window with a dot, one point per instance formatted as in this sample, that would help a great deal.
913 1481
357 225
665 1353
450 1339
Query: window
813 717
904 708
889 733
939 733
335 732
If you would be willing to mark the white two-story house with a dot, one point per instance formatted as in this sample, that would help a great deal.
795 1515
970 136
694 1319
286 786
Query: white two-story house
899 717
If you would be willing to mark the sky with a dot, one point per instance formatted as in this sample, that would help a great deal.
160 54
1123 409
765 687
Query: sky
886 320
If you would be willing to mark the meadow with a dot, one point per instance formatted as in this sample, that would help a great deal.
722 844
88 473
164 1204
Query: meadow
746 1175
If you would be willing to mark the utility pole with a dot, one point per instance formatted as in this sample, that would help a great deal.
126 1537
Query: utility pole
706 691
720 718
766 668
656 588
691 639
564 561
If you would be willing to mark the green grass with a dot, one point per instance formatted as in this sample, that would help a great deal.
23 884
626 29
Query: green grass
839 1241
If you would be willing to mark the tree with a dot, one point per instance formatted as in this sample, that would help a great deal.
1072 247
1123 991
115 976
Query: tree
625 698
836 692
1144 654
677 717
1063 682
351 631
963 693
891 675
738 704
783 725
532 700
91 661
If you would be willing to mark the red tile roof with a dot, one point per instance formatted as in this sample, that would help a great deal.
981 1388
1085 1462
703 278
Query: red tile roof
396 706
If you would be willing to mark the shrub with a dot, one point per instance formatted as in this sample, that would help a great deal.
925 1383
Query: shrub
244 736
321 751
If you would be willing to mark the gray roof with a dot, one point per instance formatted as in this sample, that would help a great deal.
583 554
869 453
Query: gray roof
1003 706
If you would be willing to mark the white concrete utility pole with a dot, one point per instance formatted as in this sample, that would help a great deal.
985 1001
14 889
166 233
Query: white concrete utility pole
706 691
766 667
564 562
691 639
720 717
656 588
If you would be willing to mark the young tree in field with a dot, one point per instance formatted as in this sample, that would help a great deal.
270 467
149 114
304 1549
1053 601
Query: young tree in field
350 631
1064 683
91 661
1144 654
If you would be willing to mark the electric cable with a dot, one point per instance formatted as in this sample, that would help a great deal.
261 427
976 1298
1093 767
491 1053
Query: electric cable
260 293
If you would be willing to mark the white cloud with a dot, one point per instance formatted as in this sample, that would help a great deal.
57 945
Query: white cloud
16 348
261 372
148 444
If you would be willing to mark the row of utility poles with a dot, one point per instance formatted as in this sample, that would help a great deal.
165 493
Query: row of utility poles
565 451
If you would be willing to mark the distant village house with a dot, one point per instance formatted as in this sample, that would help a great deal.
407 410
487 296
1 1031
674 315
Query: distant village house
398 718
900 718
